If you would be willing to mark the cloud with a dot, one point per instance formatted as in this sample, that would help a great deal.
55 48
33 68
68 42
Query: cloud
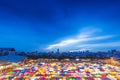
86 34
82 49
108 44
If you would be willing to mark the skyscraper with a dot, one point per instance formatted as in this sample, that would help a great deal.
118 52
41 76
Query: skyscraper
58 51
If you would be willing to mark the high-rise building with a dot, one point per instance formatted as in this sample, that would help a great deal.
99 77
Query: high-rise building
57 50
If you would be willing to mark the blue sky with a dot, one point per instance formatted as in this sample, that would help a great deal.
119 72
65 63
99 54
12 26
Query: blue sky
29 25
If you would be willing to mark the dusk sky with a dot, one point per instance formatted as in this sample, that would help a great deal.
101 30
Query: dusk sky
45 25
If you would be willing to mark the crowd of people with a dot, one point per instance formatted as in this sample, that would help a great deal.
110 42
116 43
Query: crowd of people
62 70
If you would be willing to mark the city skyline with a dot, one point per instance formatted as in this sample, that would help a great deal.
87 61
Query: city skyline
65 24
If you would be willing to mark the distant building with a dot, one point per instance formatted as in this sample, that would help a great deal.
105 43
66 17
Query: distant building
57 50
3 51
113 51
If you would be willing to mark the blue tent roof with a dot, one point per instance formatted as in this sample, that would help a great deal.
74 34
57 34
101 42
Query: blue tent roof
12 58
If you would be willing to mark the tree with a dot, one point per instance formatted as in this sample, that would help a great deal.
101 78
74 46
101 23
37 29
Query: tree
12 49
